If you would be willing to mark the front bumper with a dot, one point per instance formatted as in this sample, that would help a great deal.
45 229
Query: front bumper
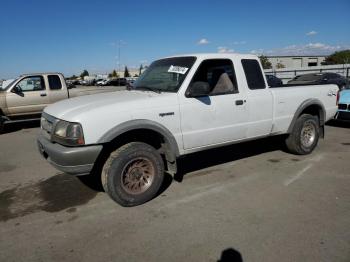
343 115
70 160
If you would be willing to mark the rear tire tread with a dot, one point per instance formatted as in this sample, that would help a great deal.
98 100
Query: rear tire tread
293 142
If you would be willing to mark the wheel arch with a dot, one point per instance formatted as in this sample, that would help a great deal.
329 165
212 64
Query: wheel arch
312 107
146 131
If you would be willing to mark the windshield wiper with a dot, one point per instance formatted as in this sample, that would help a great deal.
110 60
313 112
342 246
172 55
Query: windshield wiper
158 91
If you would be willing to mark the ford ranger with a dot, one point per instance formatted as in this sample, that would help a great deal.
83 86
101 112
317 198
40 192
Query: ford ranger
25 98
179 105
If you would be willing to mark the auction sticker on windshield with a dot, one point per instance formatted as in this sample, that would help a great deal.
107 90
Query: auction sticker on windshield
177 69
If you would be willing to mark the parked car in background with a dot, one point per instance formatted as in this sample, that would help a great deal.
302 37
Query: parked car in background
75 82
121 81
25 97
344 105
95 81
273 81
111 82
102 82
70 84
114 82
320 78
130 82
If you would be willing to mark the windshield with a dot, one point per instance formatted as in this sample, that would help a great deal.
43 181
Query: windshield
7 84
309 77
165 75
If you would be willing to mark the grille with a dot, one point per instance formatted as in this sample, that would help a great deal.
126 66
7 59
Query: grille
343 106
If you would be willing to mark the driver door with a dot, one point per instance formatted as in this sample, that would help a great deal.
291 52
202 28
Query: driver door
220 116
28 96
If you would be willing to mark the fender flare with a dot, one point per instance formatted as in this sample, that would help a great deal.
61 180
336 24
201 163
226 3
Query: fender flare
303 106
142 124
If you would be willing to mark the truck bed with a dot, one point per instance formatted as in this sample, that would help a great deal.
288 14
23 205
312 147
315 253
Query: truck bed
288 98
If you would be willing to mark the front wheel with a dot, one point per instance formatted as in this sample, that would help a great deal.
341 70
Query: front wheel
133 174
305 135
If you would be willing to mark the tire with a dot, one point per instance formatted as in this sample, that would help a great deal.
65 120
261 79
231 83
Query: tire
304 136
133 174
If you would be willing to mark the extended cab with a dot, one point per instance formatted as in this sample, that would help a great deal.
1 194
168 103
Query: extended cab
25 98
179 105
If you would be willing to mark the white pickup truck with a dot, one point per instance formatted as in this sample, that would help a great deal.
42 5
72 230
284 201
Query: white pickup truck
178 106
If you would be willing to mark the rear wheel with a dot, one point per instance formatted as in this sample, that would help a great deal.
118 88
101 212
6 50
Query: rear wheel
133 174
305 135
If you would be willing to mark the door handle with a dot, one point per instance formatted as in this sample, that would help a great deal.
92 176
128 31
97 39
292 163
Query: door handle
239 102
43 94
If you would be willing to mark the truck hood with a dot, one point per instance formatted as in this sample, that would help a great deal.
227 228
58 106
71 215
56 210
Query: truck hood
344 97
114 102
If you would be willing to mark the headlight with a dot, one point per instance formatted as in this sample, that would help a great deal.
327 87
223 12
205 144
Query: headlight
69 134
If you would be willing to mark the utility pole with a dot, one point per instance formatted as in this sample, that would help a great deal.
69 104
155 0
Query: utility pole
119 43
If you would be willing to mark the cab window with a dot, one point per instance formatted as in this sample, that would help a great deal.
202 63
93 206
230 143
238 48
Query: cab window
32 83
254 76
219 74
54 82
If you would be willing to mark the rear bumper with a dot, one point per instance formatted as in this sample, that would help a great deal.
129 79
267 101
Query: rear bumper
343 115
70 160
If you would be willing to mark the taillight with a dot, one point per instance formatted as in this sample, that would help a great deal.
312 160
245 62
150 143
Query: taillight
337 97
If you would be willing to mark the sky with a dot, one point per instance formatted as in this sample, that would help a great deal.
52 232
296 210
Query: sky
69 36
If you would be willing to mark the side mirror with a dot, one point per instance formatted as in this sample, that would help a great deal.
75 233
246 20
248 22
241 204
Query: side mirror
198 89
17 90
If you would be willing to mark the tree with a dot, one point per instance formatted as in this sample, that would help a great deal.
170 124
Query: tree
84 73
114 74
265 62
140 70
339 57
280 65
126 72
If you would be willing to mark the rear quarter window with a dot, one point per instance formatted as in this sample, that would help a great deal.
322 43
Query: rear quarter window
54 82
254 76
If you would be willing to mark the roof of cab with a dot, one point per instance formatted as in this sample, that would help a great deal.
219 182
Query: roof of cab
38 73
217 55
